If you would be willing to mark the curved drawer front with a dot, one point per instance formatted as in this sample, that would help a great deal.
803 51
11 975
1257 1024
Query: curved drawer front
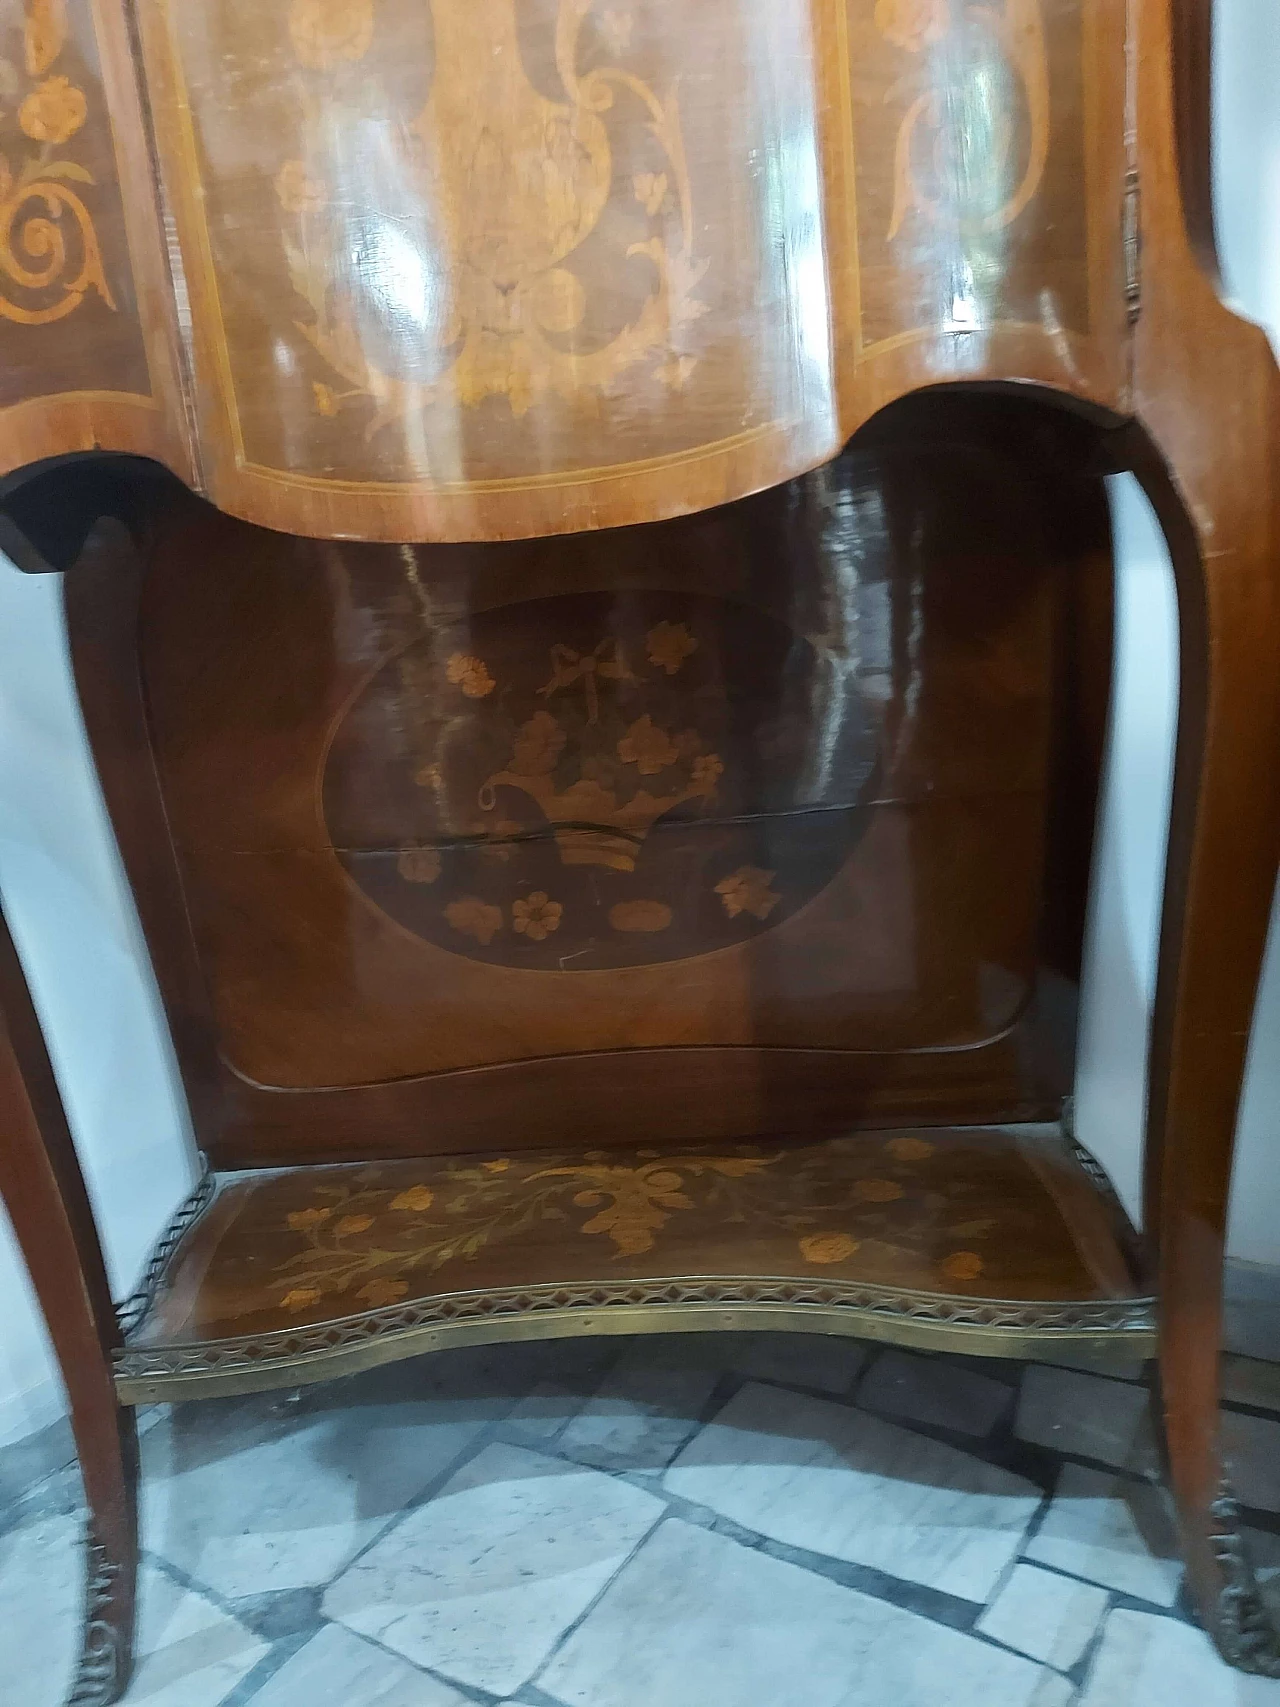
976 196
474 269
497 266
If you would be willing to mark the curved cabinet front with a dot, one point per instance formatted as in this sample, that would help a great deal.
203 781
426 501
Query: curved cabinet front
475 269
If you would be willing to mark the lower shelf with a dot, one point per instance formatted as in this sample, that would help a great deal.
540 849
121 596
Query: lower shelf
983 1241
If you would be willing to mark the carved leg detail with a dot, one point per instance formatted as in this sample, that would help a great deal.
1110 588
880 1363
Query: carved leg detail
106 1654
1244 1633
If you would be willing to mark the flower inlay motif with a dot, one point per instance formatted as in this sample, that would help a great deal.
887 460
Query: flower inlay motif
48 243
517 180
892 1207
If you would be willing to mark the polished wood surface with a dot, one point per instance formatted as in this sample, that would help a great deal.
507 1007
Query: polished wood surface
969 1232
44 1195
89 352
1207 393
725 827
760 821
483 270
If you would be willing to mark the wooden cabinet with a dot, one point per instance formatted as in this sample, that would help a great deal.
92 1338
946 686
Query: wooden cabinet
491 268
589 582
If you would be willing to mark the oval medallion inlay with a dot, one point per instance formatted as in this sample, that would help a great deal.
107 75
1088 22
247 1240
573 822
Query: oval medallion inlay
600 780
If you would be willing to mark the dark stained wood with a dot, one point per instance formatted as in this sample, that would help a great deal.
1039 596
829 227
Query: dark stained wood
892 964
993 1231
44 1194
101 599
561 267
88 318
866 706
1207 393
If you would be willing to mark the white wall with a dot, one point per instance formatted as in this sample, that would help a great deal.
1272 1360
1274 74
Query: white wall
76 930
1247 192
1123 929
78 935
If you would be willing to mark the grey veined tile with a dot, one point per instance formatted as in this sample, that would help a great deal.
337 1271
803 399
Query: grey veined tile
696 1620
190 1653
646 1408
1048 1617
338 1669
541 1414
1263 1551
41 1589
1251 1381
828 1362
247 1502
1251 1447
1148 1661
1114 1531
1087 1414
836 1481
927 1390
482 1581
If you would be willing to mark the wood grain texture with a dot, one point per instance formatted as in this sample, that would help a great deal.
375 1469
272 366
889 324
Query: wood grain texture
1206 391
754 822
731 826
486 270
44 1195
969 1227
88 322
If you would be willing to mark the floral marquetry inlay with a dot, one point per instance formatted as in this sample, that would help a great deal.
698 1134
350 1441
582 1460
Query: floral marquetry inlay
974 1214
50 257
509 250
950 144
972 158
586 782
517 185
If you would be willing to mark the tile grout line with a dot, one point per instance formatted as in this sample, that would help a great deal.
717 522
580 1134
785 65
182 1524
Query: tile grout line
1000 1447
572 1629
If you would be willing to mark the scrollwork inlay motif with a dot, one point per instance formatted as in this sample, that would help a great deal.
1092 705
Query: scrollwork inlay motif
959 157
517 182
48 243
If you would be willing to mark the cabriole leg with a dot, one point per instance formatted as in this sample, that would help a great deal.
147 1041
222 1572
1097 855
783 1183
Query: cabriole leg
44 1193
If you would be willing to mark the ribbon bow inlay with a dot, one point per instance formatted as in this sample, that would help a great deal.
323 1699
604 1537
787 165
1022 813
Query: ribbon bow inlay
568 667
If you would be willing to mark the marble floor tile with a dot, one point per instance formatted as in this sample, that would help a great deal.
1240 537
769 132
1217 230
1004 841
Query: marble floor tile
645 1409
1251 1381
1100 1363
1251 1446
41 1594
480 1583
1087 1414
1113 1531
1264 1555
28 1462
1148 1661
190 1653
828 1363
1048 1617
247 1499
339 1669
927 1390
696 1620
541 1414
833 1480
